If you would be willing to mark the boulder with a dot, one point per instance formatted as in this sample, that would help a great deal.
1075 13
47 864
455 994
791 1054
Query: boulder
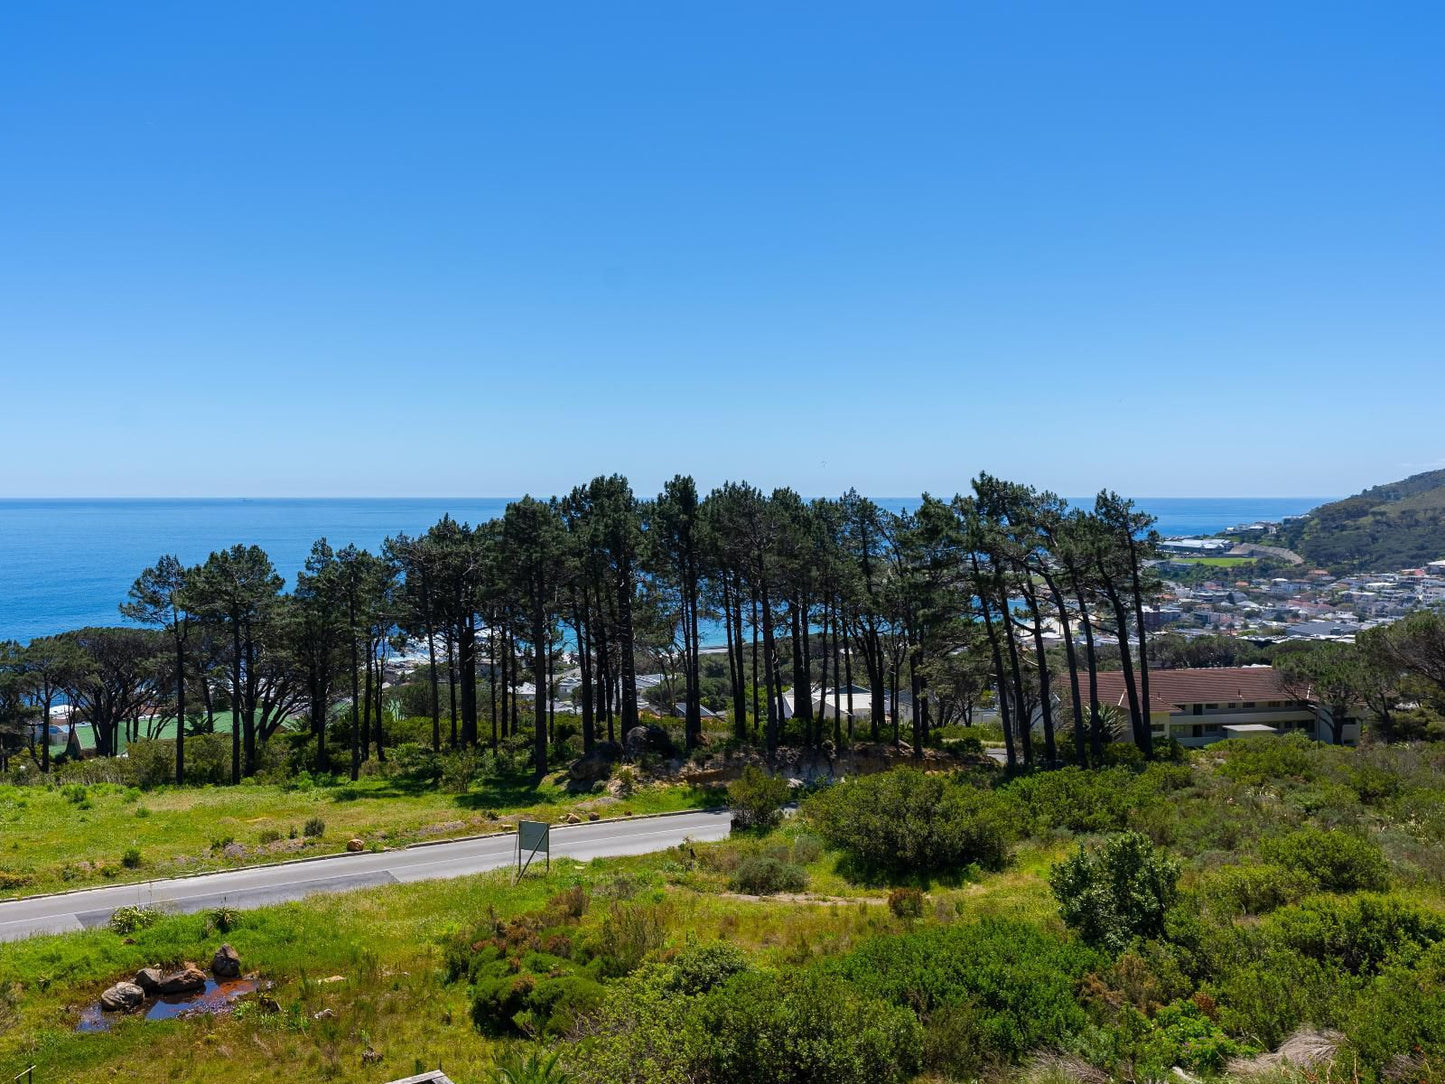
594 815
355 845
122 997
647 739
226 964
597 764
149 979
187 980
571 818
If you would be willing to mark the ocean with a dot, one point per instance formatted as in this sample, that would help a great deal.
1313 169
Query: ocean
65 564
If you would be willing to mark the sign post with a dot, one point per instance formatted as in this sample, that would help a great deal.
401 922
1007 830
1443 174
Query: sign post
532 836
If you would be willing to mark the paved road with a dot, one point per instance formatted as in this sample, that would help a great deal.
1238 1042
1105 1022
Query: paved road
257 887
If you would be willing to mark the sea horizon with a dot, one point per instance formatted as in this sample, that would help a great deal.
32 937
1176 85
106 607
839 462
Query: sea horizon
67 562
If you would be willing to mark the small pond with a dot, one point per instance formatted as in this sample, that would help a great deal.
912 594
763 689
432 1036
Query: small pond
215 1000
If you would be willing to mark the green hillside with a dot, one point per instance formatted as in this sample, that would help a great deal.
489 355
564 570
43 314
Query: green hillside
1397 525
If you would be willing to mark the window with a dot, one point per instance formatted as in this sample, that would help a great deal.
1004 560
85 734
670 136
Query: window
1211 728
1210 707
1249 703
1198 709
1197 731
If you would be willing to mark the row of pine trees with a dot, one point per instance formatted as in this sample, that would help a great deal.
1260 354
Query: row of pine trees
935 608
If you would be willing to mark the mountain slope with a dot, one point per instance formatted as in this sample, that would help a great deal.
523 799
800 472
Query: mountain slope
1397 525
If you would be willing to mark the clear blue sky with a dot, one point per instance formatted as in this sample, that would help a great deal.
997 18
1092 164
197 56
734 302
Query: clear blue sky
358 248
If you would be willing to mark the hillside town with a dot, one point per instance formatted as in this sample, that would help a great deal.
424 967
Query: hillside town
1266 594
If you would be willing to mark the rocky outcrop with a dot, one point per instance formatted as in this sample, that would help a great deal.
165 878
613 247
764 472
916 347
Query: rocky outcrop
597 764
647 739
226 964
122 997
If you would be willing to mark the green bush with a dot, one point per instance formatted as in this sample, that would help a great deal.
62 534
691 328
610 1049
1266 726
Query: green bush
764 875
1181 1034
131 859
993 992
803 1028
314 828
1117 891
905 822
128 920
1401 1015
700 968
1336 861
1358 933
1233 891
757 799
1079 799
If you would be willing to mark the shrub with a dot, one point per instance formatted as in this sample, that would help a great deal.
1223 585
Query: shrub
804 1027
807 849
414 763
906 902
314 828
993 992
127 920
626 780
801 1027
1115 892
1181 1034
699 968
223 919
630 932
1077 799
757 799
1359 933
131 859
764 875
1402 1012
904 821
1336 861
220 843
269 835
1252 890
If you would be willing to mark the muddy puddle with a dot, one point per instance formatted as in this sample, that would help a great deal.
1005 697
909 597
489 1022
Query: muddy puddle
216 999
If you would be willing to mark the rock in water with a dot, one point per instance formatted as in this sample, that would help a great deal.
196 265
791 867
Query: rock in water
149 979
226 964
187 980
122 997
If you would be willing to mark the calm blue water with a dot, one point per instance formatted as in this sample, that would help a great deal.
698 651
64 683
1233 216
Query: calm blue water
68 563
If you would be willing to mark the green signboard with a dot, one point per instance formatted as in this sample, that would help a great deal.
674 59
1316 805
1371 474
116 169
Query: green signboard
532 837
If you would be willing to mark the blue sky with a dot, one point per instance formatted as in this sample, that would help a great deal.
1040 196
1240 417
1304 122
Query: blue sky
472 248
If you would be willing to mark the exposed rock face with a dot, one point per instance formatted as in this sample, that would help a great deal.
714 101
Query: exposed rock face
187 980
596 764
122 997
647 739
355 845
226 964
149 979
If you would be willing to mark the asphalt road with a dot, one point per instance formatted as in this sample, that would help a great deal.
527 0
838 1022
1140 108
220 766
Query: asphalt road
246 888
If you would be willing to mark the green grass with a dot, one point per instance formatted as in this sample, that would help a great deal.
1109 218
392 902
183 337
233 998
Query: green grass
384 943
49 841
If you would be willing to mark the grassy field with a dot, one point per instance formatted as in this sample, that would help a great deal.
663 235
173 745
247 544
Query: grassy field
384 944
60 838
1309 896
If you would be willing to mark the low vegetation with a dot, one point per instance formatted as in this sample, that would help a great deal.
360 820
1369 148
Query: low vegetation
1123 923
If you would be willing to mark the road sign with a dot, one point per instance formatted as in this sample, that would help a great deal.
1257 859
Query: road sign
532 836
